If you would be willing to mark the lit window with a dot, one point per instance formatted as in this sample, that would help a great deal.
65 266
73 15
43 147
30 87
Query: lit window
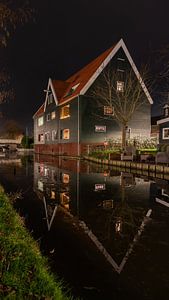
47 136
65 178
48 117
64 199
120 86
108 110
65 112
52 195
40 185
118 225
54 135
65 134
50 98
46 172
53 115
100 187
41 138
40 121
166 133
99 128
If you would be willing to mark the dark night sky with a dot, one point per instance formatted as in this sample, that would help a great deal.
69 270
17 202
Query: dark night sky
68 34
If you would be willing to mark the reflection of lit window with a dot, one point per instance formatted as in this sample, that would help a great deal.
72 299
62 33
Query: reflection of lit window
64 200
120 86
52 196
40 121
47 136
53 115
46 172
40 185
100 187
108 204
108 110
41 138
118 225
99 128
54 135
166 133
41 169
65 134
65 178
65 112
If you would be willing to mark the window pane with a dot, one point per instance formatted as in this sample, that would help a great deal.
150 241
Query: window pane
65 112
120 86
108 110
53 115
40 121
99 128
66 134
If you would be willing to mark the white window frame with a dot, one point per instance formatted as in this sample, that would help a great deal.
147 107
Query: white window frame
40 121
163 135
106 108
128 132
40 137
64 132
48 117
47 136
50 98
166 111
120 86
100 128
62 115
54 135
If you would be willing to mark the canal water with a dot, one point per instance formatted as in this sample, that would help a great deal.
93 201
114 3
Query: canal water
104 230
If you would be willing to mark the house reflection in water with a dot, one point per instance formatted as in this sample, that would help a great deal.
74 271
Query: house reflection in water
112 207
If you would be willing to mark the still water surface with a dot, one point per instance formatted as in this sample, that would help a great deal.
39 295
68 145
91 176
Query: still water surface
104 230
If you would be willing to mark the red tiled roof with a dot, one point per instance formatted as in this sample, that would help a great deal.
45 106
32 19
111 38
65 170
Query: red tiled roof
83 76
63 89
60 88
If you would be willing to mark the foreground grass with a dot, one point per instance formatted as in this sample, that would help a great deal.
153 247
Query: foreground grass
23 271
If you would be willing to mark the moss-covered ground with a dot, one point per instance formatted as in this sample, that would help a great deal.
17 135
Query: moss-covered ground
24 273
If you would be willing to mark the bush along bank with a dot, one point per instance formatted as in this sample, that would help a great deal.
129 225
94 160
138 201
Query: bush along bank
23 271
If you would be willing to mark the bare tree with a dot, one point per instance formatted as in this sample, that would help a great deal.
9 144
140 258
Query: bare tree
12 14
122 93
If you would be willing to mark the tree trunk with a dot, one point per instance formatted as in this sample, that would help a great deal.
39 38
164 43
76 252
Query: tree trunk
124 137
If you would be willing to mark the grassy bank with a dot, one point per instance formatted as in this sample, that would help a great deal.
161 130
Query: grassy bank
23 271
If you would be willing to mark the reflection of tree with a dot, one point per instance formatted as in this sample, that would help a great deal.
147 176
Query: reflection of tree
116 225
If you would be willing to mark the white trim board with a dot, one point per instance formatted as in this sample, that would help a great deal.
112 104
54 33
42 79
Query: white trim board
162 202
119 45
112 262
50 85
163 121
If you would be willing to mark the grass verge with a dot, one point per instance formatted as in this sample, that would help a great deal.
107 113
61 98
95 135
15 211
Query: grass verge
23 271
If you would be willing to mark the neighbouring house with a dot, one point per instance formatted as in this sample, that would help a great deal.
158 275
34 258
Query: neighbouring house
10 144
155 128
68 123
163 124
